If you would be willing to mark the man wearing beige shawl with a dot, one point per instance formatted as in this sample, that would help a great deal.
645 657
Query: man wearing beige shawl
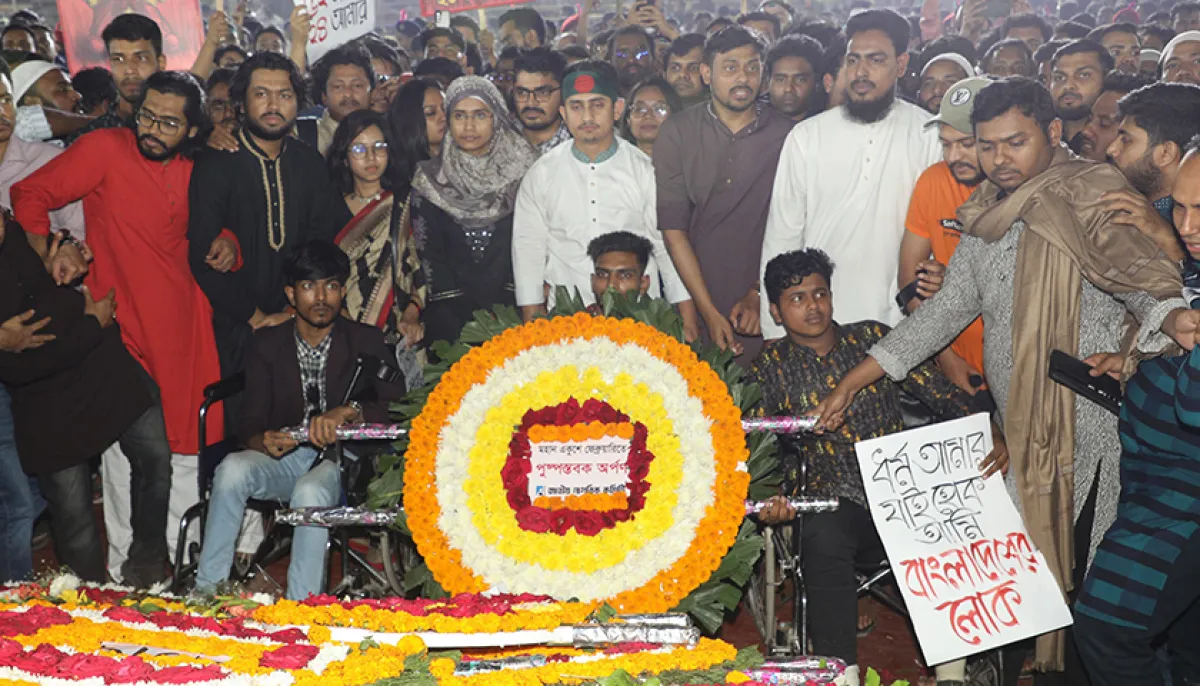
1048 268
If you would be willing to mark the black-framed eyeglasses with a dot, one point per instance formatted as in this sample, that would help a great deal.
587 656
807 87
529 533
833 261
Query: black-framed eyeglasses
638 56
167 125
658 109
540 94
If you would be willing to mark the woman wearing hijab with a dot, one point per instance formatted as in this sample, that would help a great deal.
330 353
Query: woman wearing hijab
462 208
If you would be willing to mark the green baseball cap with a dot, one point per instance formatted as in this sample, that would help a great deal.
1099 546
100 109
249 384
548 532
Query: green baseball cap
955 110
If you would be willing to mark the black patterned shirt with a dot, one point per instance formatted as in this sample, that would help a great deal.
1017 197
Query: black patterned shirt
794 379
312 374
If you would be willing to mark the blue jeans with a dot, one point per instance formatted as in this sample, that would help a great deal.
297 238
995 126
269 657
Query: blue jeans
20 502
250 474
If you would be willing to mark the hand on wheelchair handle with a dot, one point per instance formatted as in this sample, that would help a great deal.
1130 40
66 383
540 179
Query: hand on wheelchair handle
278 443
776 511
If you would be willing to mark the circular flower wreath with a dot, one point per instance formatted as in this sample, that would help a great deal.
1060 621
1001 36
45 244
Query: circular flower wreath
578 378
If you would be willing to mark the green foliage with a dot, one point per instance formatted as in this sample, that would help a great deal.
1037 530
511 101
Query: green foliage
709 603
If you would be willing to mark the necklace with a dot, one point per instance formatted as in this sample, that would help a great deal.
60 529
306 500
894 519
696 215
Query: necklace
364 199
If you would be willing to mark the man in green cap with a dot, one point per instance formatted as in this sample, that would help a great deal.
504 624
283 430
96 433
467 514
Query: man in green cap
597 184
933 230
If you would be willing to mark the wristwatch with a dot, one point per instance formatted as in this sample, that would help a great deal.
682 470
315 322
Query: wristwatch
357 407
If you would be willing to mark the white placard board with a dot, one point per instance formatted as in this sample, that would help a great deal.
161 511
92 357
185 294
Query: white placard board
334 22
970 575
559 469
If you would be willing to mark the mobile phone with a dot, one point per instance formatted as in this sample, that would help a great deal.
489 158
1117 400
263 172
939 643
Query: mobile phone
1075 374
441 19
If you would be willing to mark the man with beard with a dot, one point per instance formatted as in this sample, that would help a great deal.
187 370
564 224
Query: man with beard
1076 80
132 182
1157 122
793 65
1045 264
342 81
681 66
631 51
297 374
1103 123
714 166
934 230
1181 59
537 98
846 176
575 193
134 45
939 73
38 81
273 193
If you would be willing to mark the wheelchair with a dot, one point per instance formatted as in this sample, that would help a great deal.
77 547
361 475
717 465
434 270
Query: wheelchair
359 576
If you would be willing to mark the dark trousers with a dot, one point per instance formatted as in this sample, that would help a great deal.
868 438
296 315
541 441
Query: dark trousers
1126 656
832 545
73 521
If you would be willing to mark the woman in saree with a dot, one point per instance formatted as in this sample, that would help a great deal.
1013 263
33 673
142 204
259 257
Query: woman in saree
376 240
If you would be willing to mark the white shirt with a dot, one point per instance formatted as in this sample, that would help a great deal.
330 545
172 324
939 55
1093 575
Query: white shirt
844 186
565 202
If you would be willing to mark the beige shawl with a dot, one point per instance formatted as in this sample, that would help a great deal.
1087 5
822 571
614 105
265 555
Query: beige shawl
1069 236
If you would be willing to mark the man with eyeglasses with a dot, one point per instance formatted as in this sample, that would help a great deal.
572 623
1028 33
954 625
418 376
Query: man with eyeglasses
220 108
631 52
505 73
297 375
681 66
537 98
273 193
448 43
133 183
598 184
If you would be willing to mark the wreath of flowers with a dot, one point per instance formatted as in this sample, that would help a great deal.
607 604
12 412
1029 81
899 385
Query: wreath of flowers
674 538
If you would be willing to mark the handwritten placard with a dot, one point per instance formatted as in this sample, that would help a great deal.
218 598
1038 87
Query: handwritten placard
962 557
334 22
592 466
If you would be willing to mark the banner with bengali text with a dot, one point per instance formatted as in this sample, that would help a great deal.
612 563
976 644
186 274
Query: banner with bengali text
336 22
429 7
83 21
969 572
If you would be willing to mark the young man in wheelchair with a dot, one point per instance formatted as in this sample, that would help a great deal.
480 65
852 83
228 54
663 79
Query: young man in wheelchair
795 373
296 375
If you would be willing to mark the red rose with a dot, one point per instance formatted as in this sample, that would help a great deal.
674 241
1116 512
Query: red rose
40 660
130 670
535 519
562 521
9 649
589 523
289 657
320 600
288 636
83 665
125 614
186 675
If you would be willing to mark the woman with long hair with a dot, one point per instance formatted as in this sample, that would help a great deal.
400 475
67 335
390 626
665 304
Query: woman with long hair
650 103
416 126
462 207
377 292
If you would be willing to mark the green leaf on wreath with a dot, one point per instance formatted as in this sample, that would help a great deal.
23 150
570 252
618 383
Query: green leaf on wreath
618 678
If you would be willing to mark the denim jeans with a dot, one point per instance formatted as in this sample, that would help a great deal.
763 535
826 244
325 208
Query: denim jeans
251 474
73 522
18 507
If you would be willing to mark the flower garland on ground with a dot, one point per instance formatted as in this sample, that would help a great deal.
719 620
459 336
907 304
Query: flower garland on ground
459 511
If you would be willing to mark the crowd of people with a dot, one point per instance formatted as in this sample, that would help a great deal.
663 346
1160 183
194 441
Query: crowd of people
969 190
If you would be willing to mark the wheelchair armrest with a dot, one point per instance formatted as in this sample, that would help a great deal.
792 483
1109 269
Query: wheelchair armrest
225 388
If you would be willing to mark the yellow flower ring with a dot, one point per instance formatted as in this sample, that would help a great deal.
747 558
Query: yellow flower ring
458 507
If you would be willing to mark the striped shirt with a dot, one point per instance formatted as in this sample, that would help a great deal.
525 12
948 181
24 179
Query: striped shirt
1159 510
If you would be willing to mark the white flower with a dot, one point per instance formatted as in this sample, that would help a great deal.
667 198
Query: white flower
62 583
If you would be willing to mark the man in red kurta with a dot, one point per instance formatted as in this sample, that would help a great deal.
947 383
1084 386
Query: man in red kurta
135 201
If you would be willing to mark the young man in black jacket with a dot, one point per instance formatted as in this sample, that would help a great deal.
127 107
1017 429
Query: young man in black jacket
72 398
297 374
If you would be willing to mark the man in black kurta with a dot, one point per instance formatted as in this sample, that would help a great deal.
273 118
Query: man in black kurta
274 193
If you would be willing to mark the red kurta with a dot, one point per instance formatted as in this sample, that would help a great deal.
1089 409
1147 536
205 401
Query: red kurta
137 212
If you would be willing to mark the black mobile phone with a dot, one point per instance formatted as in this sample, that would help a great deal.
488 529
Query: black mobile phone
1076 375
